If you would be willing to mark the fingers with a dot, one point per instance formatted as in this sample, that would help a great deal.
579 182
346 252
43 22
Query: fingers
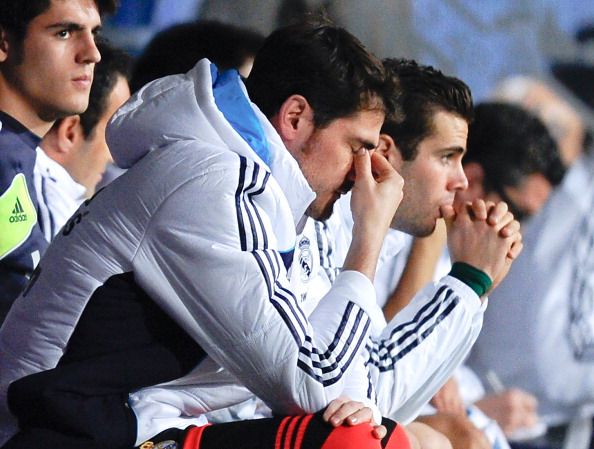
341 411
502 219
448 213
379 432
512 409
333 407
479 209
516 249
381 167
510 228
362 164
498 214
370 166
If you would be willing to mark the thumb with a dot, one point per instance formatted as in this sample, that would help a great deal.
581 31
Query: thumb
449 214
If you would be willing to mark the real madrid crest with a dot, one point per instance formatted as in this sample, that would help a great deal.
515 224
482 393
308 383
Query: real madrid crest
169 444
305 259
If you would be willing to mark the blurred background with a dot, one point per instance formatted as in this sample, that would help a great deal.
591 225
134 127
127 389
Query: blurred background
481 42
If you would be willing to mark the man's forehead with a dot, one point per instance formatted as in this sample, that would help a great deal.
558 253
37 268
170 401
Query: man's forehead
448 122
365 125
61 6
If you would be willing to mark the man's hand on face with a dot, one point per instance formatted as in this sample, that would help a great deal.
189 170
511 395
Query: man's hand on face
377 191
484 235
376 194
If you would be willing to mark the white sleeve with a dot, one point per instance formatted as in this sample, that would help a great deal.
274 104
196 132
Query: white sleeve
210 258
423 345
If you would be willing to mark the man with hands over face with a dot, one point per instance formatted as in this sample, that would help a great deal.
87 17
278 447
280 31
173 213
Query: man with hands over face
173 297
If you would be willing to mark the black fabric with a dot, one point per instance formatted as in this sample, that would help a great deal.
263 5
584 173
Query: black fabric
50 439
122 342
390 426
318 431
251 434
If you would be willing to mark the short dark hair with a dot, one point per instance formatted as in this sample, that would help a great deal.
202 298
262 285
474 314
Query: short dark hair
325 64
509 143
15 15
114 64
423 92
176 49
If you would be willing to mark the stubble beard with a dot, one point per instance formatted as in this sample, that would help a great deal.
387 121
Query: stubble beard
414 226
320 213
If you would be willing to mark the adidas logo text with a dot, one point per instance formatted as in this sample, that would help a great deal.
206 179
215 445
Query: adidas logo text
18 214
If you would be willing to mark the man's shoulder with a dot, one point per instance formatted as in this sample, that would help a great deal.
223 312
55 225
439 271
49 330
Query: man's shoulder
198 162
17 155
17 196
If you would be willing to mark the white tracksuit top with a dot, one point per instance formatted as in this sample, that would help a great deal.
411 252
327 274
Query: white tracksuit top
419 349
203 223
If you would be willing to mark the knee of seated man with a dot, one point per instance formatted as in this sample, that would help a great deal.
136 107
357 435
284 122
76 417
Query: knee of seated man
426 437
461 432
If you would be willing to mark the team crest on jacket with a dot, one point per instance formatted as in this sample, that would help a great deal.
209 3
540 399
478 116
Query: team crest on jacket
169 444
305 259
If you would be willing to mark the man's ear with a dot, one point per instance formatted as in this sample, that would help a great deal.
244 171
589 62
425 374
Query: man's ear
3 45
294 121
388 148
68 134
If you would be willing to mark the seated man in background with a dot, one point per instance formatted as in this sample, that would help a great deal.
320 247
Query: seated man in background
545 305
511 155
557 110
73 155
177 49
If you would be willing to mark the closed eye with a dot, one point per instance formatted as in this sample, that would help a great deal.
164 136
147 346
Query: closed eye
446 157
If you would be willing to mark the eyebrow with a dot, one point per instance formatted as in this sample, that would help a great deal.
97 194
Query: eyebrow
454 149
71 26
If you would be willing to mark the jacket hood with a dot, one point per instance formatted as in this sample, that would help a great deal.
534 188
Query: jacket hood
169 109
211 108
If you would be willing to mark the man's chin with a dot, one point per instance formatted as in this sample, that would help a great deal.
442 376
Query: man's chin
320 212
415 229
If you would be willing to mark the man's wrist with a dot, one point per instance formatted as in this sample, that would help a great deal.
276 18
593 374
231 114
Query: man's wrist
477 280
